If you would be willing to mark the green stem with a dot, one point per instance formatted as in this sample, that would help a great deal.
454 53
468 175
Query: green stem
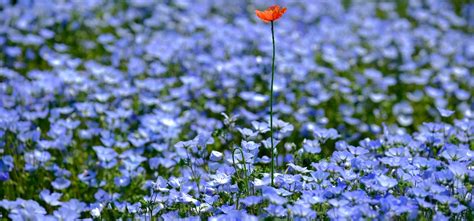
271 106
246 178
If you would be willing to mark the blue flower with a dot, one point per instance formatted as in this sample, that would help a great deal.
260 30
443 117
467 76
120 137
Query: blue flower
220 179
65 213
457 208
272 195
458 169
61 183
311 146
122 181
27 209
445 112
302 211
276 210
444 199
107 156
215 156
51 198
323 134
251 200
319 176
386 181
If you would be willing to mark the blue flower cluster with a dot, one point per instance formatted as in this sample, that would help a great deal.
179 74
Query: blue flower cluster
144 109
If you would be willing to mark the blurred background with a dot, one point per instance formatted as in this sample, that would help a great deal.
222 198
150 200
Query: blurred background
350 65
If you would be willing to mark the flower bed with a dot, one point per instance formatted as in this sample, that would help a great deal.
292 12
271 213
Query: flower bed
142 110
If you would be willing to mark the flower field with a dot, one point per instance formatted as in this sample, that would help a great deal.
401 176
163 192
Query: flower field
211 110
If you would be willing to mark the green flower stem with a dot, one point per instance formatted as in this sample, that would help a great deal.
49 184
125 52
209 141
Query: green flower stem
271 106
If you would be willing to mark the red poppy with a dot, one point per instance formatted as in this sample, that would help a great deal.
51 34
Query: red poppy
272 13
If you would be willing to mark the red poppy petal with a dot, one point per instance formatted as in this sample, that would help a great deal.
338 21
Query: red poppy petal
266 16
260 14
272 13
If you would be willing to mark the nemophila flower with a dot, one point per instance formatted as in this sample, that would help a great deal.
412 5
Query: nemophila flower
64 213
6 165
319 176
298 169
4 175
313 197
444 199
458 169
248 133
397 152
272 195
282 126
338 203
445 112
386 181
36 158
250 146
220 178
107 156
139 138
107 138
345 212
72 208
418 192
271 14
131 162
311 146
424 204
175 182
276 210
371 144
440 216
61 183
235 215
122 181
27 209
451 152
324 134
267 143
51 198
186 198
394 161
102 196
89 177
358 151
358 196
342 157
436 188
215 156
287 181
457 208
251 200
264 160
302 211
261 127
95 212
